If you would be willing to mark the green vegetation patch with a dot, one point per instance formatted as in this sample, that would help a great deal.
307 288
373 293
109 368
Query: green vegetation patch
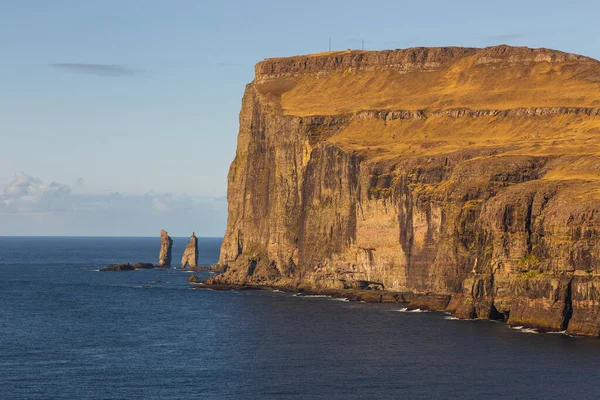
529 262
532 274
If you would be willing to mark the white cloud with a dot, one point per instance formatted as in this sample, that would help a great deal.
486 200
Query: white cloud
26 193
30 206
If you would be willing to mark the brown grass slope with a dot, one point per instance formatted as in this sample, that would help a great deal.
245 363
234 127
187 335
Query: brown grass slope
504 100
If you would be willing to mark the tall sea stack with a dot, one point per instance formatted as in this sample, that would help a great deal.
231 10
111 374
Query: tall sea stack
472 174
190 255
164 258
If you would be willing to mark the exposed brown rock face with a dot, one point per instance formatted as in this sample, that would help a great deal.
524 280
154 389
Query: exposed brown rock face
468 174
190 255
164 258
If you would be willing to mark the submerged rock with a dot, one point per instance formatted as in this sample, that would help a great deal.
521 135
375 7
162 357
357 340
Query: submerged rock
194 279
190 255
164 258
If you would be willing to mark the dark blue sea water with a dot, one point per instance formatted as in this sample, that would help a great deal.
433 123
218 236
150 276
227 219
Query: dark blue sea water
70 332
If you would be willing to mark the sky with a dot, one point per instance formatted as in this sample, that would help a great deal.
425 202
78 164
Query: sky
119 117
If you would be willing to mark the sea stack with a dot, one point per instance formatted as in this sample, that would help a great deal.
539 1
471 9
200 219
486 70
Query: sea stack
190 255
164 258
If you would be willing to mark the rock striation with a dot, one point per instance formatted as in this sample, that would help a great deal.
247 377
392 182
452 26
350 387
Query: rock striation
166 243
190 255
458 179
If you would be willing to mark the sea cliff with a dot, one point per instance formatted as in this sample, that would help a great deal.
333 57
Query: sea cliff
467 175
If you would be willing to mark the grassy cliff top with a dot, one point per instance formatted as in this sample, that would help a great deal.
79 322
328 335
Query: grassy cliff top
449 102
499 77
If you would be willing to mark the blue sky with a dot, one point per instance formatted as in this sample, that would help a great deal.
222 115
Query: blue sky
138 100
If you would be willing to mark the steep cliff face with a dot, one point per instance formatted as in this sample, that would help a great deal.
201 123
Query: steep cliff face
470 173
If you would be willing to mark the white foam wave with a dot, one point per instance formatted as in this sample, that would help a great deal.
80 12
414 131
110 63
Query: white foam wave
311 295
524 330
449 318
416 310
340 299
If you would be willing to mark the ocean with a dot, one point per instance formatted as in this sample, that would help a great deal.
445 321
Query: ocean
68 331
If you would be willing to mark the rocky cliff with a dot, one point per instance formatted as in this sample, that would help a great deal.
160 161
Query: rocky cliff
467 175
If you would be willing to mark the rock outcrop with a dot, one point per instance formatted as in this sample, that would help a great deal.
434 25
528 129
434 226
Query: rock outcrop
194 279
190 255
127 266
466 179
164 258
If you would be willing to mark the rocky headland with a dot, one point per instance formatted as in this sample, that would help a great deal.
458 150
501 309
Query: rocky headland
456 179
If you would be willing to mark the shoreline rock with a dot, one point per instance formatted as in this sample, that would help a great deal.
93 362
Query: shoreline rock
412 301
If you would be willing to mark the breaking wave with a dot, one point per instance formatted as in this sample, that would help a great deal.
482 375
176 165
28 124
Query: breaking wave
524 330
416 310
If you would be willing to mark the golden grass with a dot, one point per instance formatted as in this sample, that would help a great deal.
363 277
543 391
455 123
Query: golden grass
573 141
542 135
462 84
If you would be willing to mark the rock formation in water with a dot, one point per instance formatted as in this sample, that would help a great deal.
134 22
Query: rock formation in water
127 266
469 178
190 255
164 258
194 279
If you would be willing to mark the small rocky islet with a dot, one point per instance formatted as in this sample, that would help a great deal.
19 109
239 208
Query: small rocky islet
127 266
189 260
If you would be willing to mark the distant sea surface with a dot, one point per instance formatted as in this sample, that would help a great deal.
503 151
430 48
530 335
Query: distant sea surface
68 331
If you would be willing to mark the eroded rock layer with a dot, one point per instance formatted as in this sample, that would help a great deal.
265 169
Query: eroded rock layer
471 175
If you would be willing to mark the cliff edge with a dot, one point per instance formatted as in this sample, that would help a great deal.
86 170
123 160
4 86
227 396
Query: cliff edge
468 173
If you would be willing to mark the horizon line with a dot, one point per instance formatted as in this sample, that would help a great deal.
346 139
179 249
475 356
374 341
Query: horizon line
102 236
